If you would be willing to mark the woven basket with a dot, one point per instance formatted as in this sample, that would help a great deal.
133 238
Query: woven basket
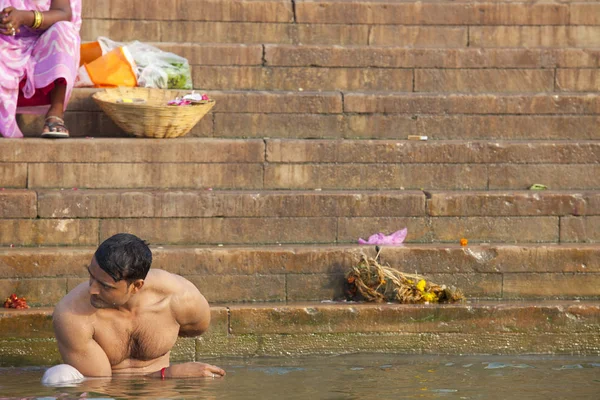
153 118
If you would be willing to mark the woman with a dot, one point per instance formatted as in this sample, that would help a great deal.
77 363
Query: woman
39 57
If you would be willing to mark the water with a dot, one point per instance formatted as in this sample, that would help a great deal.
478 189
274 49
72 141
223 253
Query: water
344 377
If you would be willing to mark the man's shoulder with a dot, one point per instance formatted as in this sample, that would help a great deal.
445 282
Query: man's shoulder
75 302
166 282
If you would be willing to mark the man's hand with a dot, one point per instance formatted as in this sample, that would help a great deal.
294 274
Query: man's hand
12 20
194 370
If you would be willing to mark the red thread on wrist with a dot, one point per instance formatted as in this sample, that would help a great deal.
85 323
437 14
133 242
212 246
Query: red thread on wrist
162 373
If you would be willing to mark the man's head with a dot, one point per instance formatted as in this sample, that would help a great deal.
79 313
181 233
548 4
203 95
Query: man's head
118 270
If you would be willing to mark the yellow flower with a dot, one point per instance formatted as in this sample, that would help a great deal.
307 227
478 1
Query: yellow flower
430 297
421 285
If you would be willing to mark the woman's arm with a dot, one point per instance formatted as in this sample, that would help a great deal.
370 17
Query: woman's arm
60 10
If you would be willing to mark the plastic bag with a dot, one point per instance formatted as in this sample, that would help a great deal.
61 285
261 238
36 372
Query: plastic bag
381 238
115 68
154 68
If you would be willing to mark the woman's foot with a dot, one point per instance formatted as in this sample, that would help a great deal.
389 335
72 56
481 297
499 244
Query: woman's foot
54 128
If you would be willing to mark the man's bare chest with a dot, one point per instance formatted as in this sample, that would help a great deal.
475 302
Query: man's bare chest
144 338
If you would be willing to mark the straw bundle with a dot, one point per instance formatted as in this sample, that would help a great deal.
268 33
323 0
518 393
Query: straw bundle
152 117
371 281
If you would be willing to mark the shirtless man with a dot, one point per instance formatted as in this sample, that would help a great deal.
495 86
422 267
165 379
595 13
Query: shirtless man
126 319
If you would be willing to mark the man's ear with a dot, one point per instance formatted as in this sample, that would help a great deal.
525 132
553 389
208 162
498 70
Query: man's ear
137 285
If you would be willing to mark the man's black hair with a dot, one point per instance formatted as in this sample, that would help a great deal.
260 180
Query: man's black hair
124 257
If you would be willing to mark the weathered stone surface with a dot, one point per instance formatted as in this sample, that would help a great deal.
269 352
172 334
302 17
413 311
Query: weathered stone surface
31 323
401 57
431 13
18 204
416 36
452 229
240 288
403 103
554 176
584 13
38 292
184 350
461 152
315 126
12 175
453 259
483 80
578 80
96 9
314 287
121 30
225 32
505 127
282 78
41 262
317 259
376 176
134 151
580 229
535 36
279 125
278 102
204 10
172 204
28 352
370 318
145 175
225 230
36 232
262 260
217 53
572 285
493 203
511 343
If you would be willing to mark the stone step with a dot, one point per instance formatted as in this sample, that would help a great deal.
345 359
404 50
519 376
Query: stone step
193 163
420 36
368 115
373 12
162 203
331 68
237 274
83 217
26 336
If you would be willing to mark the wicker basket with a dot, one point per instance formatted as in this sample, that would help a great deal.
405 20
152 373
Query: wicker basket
153 118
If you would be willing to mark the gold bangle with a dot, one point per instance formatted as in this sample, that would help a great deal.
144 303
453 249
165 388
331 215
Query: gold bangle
37 20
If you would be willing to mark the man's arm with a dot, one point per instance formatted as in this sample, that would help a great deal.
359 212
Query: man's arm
190 308
77 346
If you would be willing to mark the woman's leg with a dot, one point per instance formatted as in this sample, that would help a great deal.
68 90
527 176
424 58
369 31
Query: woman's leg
54 125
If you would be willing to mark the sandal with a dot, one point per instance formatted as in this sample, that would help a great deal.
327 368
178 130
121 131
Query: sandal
56 128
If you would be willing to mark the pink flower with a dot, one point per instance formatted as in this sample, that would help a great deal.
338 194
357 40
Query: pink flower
380 238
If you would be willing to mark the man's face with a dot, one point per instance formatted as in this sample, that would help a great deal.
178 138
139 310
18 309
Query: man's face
105 292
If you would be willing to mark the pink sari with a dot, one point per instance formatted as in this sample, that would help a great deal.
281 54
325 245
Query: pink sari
32 61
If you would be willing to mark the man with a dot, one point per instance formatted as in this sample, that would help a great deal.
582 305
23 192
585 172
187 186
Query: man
126 319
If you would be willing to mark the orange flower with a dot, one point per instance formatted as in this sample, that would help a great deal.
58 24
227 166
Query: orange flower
464 242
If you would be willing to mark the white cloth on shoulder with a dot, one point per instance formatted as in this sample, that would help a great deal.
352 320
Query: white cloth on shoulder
62 374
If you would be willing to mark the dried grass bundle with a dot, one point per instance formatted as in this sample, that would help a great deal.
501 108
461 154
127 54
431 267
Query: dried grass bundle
371 281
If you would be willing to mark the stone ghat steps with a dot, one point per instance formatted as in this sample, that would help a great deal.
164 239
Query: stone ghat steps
83 217
368 115
385 68
570 328
266 164
399 23
293 273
